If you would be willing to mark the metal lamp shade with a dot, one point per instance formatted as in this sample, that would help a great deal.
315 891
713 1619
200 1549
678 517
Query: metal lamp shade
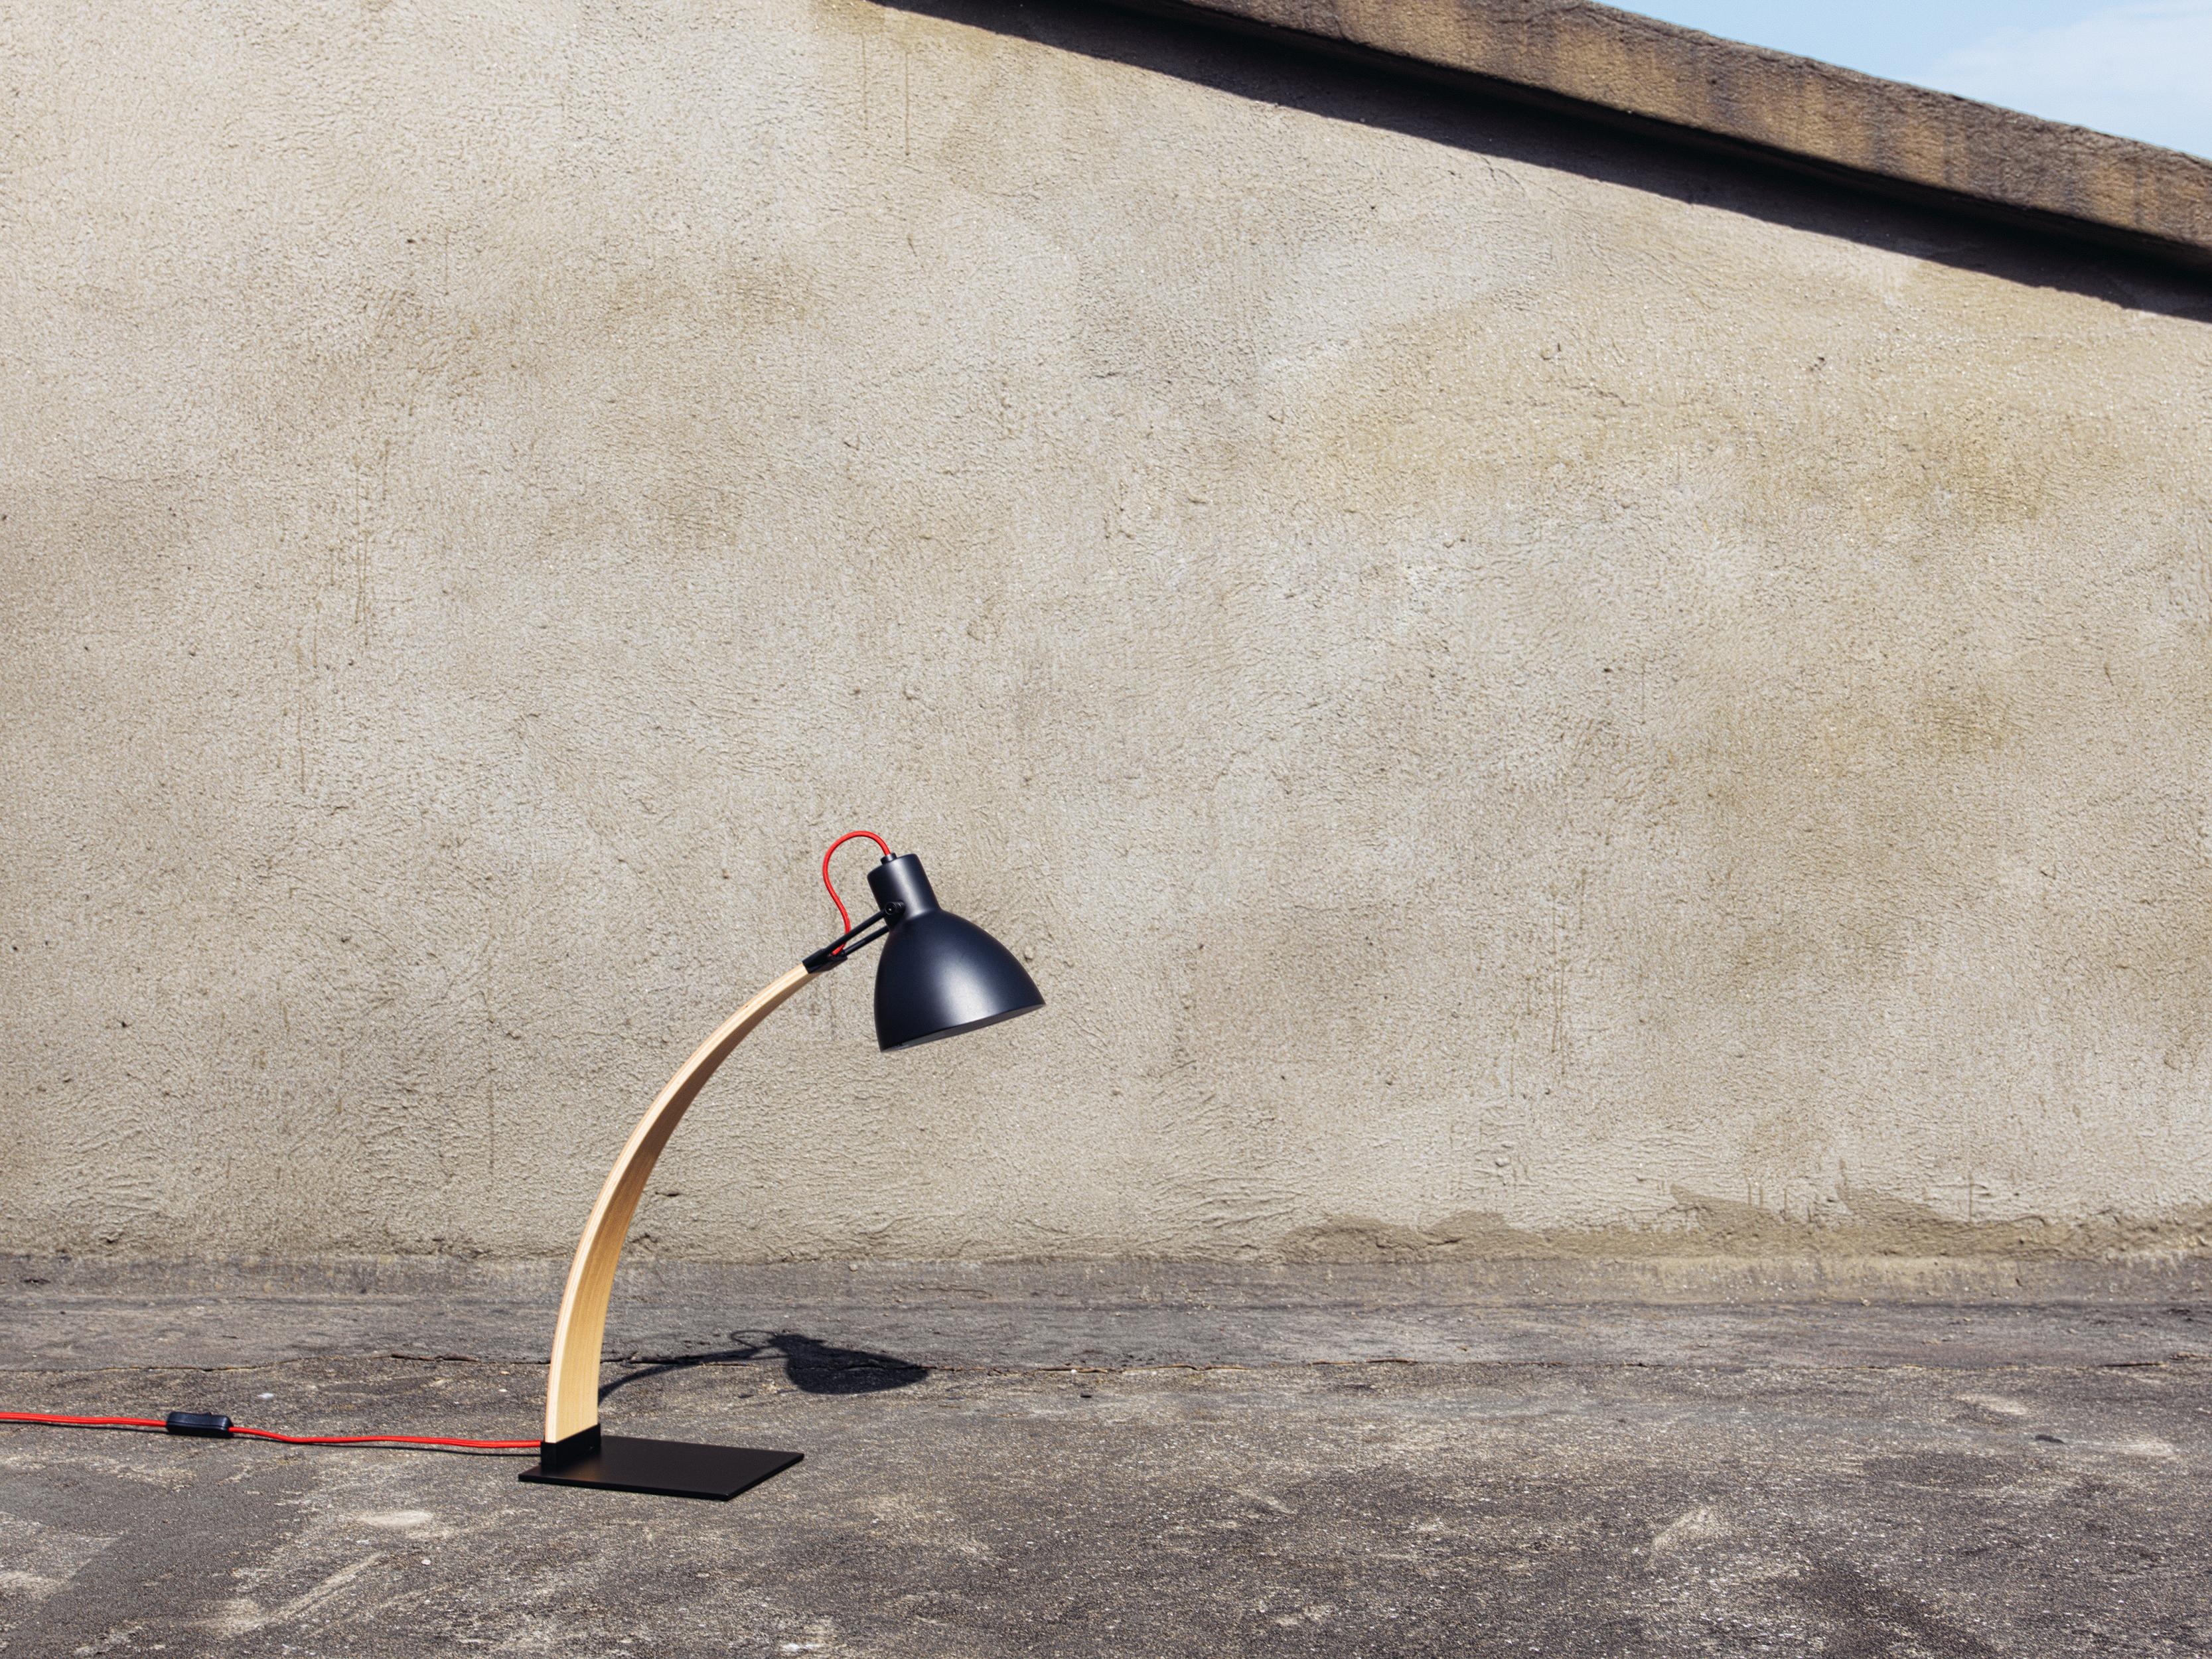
940 975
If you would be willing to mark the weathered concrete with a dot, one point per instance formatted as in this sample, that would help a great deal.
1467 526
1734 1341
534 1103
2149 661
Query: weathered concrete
66 1315
1525 693
2052 1499
1835 123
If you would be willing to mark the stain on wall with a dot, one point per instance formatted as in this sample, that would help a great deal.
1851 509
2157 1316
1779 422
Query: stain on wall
1519 694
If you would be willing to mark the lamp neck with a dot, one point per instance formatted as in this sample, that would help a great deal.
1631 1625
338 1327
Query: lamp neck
901 890
900 882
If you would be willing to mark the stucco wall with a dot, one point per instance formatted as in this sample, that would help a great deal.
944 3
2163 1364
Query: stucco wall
1519 695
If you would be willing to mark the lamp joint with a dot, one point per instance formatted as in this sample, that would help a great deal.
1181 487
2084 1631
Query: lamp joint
839 948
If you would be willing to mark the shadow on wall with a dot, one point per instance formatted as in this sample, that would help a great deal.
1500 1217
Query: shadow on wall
1270 71
811 1366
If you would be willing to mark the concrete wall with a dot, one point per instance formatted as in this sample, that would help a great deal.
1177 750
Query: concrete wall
1520 694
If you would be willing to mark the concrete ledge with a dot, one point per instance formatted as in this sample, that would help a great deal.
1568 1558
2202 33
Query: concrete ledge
1654 1281
1854 129
1124 1315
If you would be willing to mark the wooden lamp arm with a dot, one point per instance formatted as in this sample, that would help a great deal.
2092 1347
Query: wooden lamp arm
572 1385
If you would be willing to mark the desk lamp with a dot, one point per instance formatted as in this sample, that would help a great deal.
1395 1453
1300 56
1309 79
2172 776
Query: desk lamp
939 975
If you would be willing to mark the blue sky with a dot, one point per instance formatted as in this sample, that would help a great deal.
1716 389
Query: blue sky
2143 69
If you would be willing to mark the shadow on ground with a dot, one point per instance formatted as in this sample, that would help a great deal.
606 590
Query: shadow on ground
812 1366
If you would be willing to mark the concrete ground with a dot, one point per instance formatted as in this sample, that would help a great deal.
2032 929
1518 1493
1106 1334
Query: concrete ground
1131 1461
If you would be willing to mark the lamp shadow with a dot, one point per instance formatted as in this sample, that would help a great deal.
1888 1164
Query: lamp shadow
811 1366
1276 67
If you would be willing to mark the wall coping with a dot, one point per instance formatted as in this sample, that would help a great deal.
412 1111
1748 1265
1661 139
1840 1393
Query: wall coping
1592 62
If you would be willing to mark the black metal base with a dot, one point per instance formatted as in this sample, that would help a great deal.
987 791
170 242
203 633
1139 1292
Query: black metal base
666 1469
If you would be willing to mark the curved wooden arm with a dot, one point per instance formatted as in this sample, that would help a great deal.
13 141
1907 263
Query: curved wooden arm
572 1388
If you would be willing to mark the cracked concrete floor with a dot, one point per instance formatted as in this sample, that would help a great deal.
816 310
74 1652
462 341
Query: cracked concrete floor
2054 1502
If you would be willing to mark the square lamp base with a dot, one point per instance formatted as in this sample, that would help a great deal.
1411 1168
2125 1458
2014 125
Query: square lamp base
666 1469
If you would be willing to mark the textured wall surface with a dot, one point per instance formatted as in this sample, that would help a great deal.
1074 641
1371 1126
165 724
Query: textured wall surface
1519 694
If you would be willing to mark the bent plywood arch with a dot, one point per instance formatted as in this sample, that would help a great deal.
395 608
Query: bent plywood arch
572 1386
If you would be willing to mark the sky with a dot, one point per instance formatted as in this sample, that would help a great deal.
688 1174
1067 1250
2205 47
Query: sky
2142 70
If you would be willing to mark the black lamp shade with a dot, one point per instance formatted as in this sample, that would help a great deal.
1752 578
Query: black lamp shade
940 973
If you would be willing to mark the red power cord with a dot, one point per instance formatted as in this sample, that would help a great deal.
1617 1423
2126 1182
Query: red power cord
51 1420
845 920
385 1440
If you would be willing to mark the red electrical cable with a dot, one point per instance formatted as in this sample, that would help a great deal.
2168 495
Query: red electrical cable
52 1419
384 1440
845 920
